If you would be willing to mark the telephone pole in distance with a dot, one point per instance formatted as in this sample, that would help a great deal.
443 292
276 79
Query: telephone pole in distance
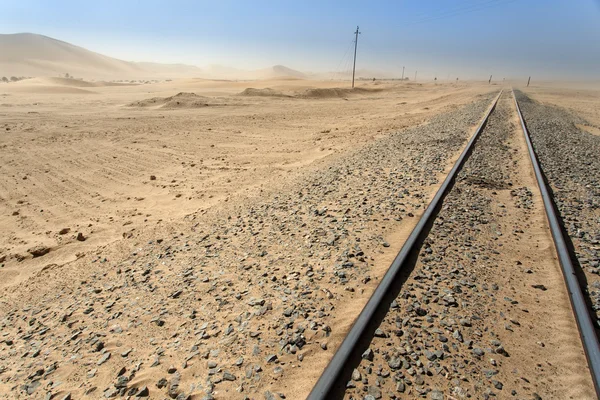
355 46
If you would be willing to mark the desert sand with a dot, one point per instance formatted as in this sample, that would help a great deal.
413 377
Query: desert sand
92 172
106 161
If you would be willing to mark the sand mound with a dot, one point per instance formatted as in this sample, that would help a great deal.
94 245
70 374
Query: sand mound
311 93
180 100
332 93
266 92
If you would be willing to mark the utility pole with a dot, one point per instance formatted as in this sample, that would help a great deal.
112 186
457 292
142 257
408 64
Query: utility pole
415 76
402 73
528 80
490 81
355 46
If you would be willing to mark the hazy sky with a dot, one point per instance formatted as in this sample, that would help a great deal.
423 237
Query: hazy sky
462 38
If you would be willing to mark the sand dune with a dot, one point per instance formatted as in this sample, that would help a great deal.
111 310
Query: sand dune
277 72
28 54
280 71
180 100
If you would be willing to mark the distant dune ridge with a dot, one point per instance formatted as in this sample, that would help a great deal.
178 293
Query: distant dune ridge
33 55
27 54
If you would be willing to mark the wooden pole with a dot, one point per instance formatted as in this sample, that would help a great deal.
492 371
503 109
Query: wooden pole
355 46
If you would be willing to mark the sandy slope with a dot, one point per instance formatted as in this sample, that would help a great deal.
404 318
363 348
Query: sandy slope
28 54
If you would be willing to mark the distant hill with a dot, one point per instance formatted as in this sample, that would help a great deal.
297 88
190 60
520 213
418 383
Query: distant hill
29 54
281 71
277 71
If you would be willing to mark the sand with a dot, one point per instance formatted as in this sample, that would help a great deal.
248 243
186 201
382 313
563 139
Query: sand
95 176
111 160
580 99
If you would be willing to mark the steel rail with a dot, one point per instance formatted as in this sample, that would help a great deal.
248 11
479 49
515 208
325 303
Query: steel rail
582 315
333 379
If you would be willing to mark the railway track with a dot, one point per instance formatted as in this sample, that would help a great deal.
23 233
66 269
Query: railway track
413 324
582 315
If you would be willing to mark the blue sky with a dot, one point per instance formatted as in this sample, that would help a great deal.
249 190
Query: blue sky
470 39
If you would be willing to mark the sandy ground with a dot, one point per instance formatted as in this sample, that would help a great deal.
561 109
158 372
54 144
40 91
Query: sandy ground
581 100
88 162
78 159
199 237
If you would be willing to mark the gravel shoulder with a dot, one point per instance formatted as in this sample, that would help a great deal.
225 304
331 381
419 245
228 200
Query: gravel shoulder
485 312
569 158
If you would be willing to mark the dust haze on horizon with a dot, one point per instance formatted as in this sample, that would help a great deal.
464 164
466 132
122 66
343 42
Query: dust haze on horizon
469 39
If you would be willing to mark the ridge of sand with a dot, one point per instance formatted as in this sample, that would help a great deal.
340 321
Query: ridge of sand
266 92
180 100
335 92
310 93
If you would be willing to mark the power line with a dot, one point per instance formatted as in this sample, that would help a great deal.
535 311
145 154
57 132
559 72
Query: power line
342 61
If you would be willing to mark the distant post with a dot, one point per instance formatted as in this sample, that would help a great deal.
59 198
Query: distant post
402 73
528 80
490 81
415 76
355 46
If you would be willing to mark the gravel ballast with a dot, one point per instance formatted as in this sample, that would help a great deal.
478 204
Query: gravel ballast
484 312
570 159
